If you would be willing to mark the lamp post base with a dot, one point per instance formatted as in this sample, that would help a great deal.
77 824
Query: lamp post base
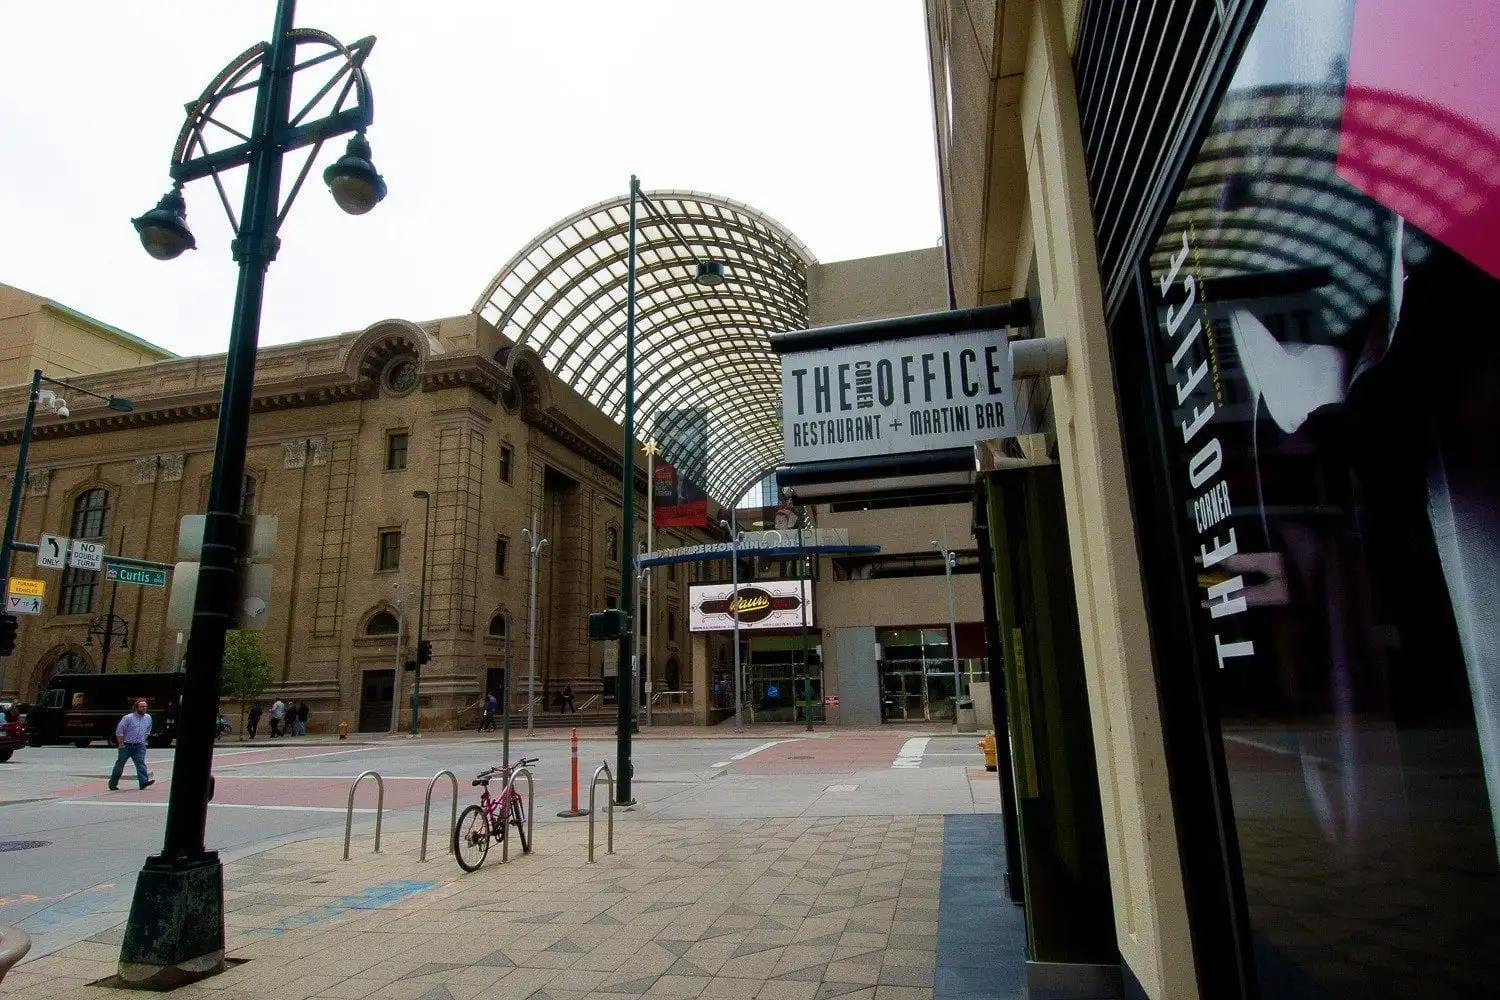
175 935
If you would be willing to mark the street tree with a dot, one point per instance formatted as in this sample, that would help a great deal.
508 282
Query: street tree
246 670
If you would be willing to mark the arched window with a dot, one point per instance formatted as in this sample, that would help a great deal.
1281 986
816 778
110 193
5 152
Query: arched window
75 596
382 623
66 663
91 513
612 543
499 626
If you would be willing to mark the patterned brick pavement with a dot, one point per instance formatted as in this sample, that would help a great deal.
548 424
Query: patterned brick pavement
783 909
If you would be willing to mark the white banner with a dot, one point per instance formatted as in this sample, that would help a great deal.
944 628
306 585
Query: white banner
897 396
761 604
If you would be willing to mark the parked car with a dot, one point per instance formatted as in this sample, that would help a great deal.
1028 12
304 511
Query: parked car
12 730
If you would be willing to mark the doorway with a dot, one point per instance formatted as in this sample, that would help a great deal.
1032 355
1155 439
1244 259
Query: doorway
375 700
916 675
494 684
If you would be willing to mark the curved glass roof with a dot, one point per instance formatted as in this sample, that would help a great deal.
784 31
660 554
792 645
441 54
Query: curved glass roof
708 387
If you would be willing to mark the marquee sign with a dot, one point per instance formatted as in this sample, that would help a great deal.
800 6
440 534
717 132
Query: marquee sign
895 397
759 604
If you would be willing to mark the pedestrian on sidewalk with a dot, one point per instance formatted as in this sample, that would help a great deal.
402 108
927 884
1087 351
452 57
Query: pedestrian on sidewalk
253 722
130 734
567 698
278 713
302 719
491 704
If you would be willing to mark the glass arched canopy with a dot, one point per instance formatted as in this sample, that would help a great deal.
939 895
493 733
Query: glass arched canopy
708 387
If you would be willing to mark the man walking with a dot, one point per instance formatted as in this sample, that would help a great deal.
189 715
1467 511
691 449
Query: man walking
254 723
490 706
278 713
131 735
302 719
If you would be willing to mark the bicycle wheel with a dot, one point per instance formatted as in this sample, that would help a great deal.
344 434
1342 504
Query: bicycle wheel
518 817
471 838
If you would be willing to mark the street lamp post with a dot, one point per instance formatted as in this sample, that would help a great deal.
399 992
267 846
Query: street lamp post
396 679
534 543
18 482
416 677
175 933
651 450
709 273
734 609
949 557
804 589
108 627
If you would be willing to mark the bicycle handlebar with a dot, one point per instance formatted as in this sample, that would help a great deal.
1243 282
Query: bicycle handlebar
501 769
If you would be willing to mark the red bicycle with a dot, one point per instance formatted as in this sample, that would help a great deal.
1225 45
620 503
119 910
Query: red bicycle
490 820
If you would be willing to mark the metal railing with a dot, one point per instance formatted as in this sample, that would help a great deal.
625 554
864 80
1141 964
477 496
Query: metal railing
588 703
379 807
610 809
510 785
679 698
427 812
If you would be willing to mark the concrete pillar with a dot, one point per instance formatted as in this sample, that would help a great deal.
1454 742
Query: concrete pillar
698 654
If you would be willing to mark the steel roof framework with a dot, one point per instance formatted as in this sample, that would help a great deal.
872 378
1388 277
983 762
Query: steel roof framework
697 348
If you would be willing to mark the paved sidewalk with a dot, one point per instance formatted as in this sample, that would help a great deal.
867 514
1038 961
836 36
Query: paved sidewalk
799 908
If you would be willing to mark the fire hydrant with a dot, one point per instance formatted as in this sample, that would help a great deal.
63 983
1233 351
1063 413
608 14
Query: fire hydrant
344 732
988 746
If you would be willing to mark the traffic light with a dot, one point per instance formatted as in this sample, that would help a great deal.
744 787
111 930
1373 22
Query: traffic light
424 651
8 625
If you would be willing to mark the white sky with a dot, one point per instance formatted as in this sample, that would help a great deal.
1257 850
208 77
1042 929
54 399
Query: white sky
493 119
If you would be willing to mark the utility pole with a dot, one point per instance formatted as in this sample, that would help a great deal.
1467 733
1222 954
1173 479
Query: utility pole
651 450
734 609
804 591
534 543
396 677
948 560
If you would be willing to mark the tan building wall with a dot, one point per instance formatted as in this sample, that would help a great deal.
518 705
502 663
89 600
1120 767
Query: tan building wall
324 415
897 284
36 332
893 602
1016 199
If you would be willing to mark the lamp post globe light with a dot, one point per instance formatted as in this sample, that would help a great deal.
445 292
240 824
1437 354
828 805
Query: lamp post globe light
175 933
707 273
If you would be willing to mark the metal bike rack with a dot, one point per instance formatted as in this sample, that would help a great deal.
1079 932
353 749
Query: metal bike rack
427 811
510 785
379 808
610 809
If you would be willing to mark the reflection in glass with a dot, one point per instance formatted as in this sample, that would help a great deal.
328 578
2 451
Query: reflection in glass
1332 400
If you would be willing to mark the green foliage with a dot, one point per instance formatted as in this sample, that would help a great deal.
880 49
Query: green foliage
246 670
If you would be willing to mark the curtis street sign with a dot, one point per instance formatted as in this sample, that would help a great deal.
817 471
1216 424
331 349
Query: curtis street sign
131 574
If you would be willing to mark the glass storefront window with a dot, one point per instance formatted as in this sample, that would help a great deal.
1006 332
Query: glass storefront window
1324 298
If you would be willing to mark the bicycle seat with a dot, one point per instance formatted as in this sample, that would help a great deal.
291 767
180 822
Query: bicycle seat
480 781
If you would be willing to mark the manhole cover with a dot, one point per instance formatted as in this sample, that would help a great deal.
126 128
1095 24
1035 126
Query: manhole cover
22 845
801 756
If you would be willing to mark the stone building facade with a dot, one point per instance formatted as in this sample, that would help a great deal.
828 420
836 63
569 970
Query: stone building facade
344 430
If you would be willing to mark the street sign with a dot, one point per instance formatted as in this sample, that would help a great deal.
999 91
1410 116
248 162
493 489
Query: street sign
132 574
831 701
23 604
31 588
86 555
51 552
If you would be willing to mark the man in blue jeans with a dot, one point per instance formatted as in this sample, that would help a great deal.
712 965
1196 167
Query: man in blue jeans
131 735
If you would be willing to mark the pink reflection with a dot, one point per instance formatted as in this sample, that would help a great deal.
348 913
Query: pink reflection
1421 124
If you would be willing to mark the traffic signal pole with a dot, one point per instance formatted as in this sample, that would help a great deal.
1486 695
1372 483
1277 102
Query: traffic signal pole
12 515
